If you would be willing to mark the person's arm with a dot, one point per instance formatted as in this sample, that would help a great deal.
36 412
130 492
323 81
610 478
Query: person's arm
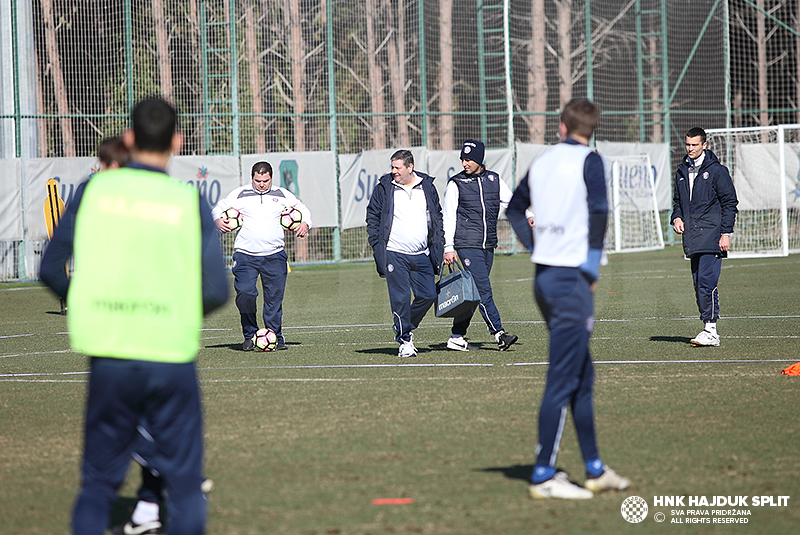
374 210
676 219
222 224
726 193
52 269
516 212
449 211
215 279
305 225
594 177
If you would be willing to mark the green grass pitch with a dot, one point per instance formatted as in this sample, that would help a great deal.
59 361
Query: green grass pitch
301 441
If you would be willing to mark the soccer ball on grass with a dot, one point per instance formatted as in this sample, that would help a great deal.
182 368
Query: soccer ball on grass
291 218
266 340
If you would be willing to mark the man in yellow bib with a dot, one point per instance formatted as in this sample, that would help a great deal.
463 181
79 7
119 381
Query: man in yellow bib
148 265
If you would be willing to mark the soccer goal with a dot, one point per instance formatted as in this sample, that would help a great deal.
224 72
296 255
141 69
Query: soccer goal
765 168
634 223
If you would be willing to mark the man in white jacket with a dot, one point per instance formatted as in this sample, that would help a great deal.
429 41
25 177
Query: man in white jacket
259 248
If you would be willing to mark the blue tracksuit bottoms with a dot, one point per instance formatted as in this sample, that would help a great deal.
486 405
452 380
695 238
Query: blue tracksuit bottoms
406 273
273 270
567 304
123 393
706 268
479 263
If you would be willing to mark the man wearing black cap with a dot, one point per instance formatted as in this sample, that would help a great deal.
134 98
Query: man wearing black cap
472 202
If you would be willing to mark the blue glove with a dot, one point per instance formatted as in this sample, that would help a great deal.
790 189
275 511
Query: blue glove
591 268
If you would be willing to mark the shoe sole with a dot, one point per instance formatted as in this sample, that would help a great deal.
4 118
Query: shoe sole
699 344
459 348
536 495
597 488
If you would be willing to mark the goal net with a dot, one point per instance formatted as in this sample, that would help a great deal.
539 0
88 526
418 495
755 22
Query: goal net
634 223
765 167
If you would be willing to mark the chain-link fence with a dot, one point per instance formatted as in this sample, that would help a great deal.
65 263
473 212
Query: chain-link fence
274 76
281 75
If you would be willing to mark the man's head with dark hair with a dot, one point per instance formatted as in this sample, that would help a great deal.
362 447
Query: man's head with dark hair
405 155
261 168
113 153
580 117
695 132
154 122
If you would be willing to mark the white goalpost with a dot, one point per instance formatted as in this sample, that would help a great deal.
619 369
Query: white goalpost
764 163
634 223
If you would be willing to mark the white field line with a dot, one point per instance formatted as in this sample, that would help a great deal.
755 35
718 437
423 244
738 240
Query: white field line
28 377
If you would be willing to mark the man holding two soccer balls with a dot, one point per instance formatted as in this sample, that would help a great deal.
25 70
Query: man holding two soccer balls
261 212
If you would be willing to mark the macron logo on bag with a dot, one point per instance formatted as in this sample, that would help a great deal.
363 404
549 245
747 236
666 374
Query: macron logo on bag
446 304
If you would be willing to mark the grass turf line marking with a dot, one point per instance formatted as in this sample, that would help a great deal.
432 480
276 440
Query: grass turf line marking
714 361
319 366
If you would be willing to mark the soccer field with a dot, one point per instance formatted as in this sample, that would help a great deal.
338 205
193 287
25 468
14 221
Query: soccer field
302 441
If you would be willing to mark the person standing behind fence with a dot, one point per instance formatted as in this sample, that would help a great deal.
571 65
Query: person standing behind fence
472 202
148 265
259 249
404 227
567 190
703 213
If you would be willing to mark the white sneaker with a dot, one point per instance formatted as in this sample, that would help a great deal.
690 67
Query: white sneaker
460 344
705 338
407 349
559 486
608 480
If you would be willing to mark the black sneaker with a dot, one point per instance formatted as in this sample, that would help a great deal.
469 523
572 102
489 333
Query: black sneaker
149 528
281 346
505 340
248 344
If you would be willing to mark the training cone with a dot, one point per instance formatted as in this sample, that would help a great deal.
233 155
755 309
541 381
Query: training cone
794 369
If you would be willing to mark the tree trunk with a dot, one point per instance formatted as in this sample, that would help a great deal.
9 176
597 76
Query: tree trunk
797 64
298 62
446 122
537 74
761 65
565 50
199 122
375 77
42 123
655 91
397 70
251 45
162 50
59 87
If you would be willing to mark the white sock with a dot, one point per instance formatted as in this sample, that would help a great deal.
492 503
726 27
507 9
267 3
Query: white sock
145 512
711 327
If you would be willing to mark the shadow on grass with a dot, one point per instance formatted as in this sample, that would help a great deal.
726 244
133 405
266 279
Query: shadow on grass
430 348
676 339
238 346
517 471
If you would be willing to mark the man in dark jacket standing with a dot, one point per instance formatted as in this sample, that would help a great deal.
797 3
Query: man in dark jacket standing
472 203
404 224
704 212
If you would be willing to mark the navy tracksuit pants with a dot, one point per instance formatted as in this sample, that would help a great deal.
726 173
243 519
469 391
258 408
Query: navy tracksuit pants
122 394
706 268
479 263
567 304
273 270
406 273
